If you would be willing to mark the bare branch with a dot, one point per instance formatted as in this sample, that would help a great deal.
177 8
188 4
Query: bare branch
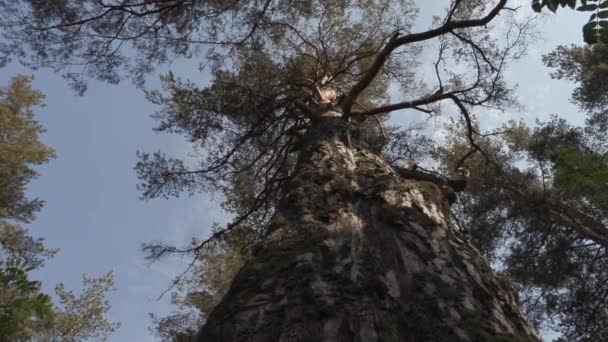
477 48
393 44
415 104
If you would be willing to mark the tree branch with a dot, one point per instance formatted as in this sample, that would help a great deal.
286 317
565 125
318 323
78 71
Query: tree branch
396 42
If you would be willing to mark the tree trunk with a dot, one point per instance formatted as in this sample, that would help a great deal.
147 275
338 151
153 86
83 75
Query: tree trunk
357 252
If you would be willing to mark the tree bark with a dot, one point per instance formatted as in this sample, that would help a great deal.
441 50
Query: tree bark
357 252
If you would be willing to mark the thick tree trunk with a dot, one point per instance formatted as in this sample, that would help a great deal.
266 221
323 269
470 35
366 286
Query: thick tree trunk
357 252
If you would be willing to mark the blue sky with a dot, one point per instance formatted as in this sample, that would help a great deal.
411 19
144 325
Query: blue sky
93 213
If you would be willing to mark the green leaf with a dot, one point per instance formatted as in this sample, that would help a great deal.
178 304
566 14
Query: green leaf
602 14
590 32
552 5
590 37
587 8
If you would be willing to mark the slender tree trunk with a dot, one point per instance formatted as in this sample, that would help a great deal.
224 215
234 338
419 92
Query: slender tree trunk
356 252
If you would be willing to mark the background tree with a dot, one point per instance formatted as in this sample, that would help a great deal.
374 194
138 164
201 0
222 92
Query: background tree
23 307
198 293
579 168
536 208
26 313
82 317
20 150
586 66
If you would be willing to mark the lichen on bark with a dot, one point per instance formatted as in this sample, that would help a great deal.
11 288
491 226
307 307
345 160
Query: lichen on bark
357 252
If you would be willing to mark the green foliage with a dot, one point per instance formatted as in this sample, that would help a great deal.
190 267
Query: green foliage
20 148
198 295
23 308
587 67
580 173
524 208
17 244
27 314
596 30
82 317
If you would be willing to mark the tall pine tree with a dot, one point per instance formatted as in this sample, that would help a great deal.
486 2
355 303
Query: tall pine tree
345 243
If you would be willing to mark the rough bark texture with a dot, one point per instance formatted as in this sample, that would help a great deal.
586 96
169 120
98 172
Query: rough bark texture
357 252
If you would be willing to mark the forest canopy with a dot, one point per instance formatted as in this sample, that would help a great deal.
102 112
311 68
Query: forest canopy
535 205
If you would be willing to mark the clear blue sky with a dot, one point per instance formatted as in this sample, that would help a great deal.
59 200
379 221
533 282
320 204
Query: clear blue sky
92 211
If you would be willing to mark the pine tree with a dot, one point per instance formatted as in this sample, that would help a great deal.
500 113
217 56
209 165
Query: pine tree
345 244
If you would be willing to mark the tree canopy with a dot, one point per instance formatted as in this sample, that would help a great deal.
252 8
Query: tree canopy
585 66
535 203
